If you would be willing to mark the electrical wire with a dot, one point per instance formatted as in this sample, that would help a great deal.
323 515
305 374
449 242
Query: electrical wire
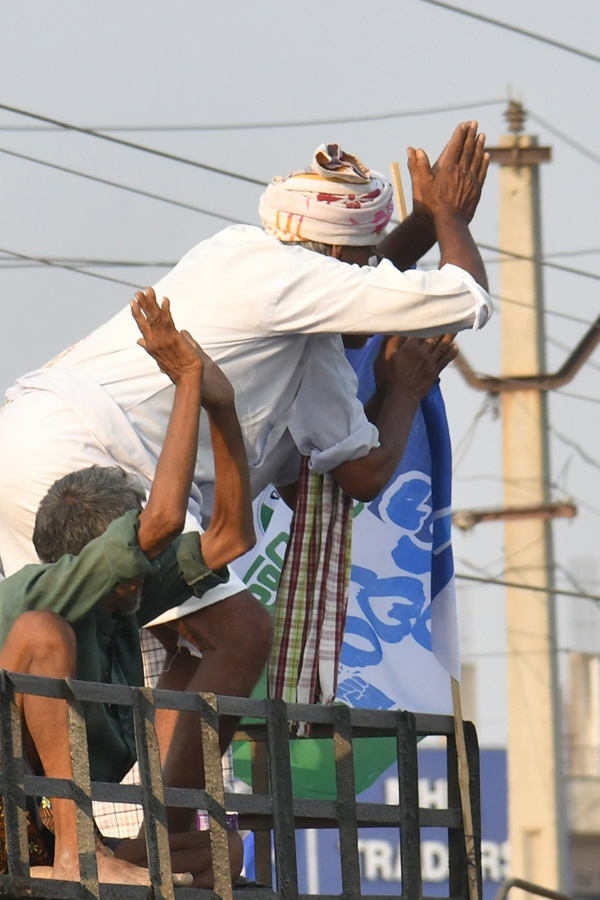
228 173
542 260
141 147
499 582
49 262
248 126
547 312
572 396
116 184
462 447
564 137
522 31
9 263
574 446
587 252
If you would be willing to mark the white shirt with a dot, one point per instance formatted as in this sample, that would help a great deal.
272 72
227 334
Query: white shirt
271 316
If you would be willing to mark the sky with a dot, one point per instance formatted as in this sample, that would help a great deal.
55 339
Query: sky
158 74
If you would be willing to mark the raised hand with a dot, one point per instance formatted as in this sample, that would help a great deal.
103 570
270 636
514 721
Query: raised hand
176 352
453 184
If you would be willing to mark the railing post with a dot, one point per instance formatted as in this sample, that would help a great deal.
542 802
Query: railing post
13 789
153 796
410 831
281 790
213 773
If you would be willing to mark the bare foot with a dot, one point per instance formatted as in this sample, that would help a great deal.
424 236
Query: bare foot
117 871
180 879
110 871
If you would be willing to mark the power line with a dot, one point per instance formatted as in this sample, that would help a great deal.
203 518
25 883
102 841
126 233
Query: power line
579 595
247 126
588 251
547 312
122 143
115 184
530 34
575 446
31 262
543 261
564 137
249 179
573 396
49 262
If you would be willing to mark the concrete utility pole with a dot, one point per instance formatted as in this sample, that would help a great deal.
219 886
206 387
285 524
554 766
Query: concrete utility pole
537 811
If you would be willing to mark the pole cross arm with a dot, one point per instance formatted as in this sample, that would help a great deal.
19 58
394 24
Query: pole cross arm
518 156
465 519
498 385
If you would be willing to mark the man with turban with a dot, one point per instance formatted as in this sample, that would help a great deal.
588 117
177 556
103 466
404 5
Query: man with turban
270 313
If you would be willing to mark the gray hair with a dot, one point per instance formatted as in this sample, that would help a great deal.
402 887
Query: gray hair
315 246
79 508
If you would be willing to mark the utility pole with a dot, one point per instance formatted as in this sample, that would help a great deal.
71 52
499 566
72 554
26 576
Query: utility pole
538 818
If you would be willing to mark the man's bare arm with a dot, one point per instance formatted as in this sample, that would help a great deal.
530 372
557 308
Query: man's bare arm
411 239
231 529
406 371
197 380
451 196
179 357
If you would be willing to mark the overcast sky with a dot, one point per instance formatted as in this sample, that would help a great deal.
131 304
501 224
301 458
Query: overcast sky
150 67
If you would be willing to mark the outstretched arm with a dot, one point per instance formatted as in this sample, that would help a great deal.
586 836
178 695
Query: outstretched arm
197 379
406 370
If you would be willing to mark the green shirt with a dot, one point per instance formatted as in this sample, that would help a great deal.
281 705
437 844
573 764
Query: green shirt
108 646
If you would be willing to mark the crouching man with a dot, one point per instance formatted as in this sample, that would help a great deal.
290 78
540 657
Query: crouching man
109 566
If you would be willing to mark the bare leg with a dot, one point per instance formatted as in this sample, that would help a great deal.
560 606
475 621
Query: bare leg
42 643
234 636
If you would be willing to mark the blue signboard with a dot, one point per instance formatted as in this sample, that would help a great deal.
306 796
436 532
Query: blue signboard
318 851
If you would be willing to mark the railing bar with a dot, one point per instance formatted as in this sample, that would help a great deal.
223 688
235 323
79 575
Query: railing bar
82 791
15 809
281 791
410 832
346 802
262 839
457 856
213 774
153 799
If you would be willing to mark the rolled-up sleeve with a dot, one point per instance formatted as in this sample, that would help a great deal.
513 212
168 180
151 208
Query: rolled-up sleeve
193 569
328 422
178 573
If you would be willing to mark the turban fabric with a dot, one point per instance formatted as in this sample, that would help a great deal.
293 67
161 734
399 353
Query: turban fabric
337 201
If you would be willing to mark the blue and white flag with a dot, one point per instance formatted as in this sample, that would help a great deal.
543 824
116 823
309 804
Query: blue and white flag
401 638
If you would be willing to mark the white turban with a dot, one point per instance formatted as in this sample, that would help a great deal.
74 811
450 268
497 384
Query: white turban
337 201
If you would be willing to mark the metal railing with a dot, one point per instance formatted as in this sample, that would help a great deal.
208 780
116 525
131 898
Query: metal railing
270 810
